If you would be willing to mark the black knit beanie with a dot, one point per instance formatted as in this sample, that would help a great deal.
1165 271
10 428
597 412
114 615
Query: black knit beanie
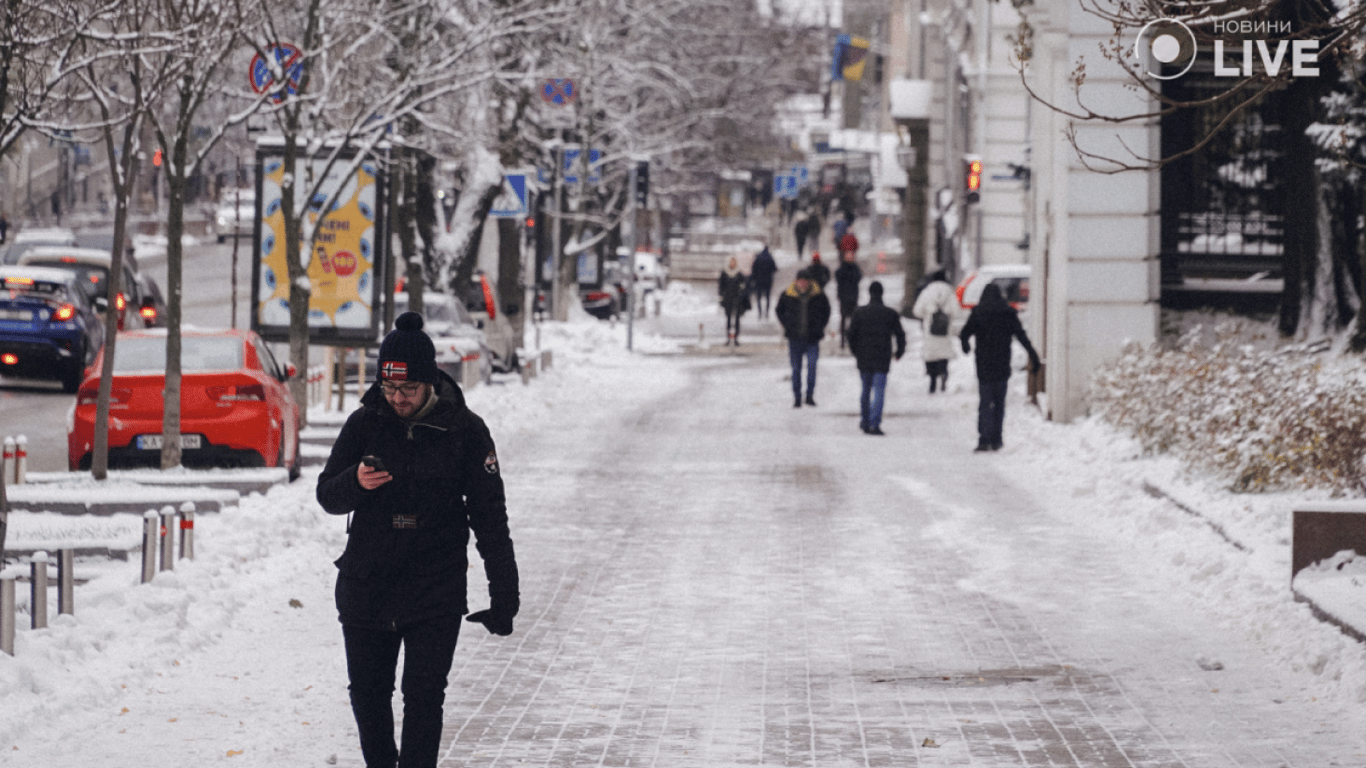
407 353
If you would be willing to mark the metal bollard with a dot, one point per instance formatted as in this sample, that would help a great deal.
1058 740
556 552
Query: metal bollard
547 358
21 460
167 540
66 581
7 608
187 530
151 527
8 465
38 590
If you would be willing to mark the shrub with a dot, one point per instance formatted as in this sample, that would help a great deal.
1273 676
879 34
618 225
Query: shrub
1268 420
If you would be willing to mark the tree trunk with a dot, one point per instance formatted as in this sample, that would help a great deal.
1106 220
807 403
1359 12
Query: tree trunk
175 232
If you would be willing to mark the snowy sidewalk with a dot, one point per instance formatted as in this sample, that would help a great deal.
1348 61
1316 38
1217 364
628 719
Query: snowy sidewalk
713 579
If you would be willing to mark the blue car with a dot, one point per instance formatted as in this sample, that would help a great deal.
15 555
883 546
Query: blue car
49 326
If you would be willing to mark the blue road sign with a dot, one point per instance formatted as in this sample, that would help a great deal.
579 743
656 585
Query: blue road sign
512 203
573 165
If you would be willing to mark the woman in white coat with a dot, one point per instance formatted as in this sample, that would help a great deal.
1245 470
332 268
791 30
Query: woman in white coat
937 346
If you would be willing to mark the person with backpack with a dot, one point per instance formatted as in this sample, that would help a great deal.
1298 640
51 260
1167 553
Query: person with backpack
872 329
935 308
994 323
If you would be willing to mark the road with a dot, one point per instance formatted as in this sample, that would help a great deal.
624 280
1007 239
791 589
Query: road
39 410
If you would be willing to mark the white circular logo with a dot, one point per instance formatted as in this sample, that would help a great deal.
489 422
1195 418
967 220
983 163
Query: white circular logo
1165 49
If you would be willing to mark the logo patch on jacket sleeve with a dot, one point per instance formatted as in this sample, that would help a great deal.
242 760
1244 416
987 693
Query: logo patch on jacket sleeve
491 463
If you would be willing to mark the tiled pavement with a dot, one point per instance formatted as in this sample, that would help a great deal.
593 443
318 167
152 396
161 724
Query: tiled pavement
715 579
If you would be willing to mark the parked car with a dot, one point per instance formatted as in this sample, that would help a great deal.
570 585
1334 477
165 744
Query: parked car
1012 279
91 266
49 325
481 300
24 241
236 214
608 300
236 408
458 339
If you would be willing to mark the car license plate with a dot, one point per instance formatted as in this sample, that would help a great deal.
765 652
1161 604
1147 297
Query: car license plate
20 315
153 442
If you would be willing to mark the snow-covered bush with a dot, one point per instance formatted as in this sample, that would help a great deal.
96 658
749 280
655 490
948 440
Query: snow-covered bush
1268 420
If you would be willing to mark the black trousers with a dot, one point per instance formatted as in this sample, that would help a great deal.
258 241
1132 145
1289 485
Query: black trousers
372 661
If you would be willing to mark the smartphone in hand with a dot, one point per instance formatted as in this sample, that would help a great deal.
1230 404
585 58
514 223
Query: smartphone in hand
375 463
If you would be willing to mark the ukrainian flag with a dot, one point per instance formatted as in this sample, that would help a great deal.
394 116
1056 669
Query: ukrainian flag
850 55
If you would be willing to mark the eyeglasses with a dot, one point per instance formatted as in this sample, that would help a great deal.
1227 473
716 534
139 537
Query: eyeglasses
408 390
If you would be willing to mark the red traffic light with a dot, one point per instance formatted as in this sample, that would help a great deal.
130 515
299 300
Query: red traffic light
972 179
156 158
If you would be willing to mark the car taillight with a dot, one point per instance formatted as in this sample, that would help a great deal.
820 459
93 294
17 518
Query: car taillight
597 296
149 314
64 313
120 301
90 395
252 393
9 358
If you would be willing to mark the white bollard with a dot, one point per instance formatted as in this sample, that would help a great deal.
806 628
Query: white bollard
7 609
21 460
187 530
66 581
38 590
151 526
167 540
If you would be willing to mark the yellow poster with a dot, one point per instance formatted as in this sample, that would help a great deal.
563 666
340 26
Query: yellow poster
341 269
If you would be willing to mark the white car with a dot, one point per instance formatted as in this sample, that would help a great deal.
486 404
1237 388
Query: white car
459 342
236 214
1012 279
139 302
481 299
27 240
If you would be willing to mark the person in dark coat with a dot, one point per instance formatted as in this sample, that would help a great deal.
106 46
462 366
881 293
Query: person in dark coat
820 273
803 311
994 323
417 472
730 287
848 276
761 280
872 329
801 230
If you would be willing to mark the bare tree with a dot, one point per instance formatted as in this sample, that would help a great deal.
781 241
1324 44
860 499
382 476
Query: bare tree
121 88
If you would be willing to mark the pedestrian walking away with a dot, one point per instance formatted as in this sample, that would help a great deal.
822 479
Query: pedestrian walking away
800 230
803 310
848 276
848 243
935 308
820 274
872 330
417 472
761 280
813 229
731 288
994 323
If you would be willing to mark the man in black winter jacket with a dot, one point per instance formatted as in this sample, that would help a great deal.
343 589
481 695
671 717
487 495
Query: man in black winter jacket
803 311
871 331
418 471
994 323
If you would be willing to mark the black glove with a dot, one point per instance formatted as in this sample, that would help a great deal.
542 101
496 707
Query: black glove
497 618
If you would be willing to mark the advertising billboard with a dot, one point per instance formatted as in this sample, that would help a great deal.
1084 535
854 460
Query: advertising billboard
345 256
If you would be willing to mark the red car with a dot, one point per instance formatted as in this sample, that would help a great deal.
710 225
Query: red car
236 409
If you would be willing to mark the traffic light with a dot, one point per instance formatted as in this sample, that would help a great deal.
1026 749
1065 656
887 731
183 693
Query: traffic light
972 178
642 183
156 158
